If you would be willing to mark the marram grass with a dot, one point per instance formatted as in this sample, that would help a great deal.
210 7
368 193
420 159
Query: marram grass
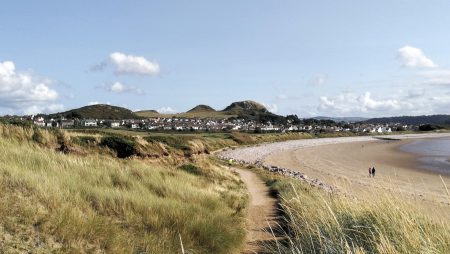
52 202
319 223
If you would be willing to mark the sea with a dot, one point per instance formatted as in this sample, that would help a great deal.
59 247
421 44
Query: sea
433 154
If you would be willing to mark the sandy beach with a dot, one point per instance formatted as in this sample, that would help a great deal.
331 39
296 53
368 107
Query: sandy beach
344 163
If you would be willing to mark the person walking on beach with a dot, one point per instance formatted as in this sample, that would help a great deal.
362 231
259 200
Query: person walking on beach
370 171
373 172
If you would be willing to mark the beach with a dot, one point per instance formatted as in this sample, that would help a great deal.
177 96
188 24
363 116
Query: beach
344 163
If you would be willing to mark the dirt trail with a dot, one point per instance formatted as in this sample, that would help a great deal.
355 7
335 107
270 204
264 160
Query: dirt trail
262 212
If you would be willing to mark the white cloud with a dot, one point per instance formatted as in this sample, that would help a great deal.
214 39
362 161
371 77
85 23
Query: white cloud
118 87
24 91
410 102
129 64
319 80
166 110
414 57
350 103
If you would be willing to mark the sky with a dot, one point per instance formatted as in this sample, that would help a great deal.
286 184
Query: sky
310 58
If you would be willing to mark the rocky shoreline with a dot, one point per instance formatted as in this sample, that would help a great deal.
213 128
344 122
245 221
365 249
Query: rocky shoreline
286 172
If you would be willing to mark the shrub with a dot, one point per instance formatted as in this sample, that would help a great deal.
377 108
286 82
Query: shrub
122 146
37 136
63 142
429 127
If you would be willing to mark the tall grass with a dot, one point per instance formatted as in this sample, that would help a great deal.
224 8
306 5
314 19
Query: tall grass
53 202
316 222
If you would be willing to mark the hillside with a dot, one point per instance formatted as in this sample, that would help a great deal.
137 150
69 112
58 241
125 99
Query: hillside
99 111
249 110
55 202
148 113
243 109
201 108
413 120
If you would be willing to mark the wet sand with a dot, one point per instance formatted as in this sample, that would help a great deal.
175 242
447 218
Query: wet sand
345 165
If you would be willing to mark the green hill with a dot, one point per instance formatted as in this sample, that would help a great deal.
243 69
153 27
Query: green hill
201 108
148 113
245 107
99 111
200 111
242 109
251 110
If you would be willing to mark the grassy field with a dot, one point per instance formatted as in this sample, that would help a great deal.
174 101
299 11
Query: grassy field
95 203
317 222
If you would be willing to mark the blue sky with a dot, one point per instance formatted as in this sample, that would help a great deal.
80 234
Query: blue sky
334 58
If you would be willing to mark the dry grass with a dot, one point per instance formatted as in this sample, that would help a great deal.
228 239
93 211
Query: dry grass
321 223
52 202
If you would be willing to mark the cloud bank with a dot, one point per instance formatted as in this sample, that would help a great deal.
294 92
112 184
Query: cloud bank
25 92
412 102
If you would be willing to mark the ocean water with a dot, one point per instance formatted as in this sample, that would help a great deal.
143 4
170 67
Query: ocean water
433 154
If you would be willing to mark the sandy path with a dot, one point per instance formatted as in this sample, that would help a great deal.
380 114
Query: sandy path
262 212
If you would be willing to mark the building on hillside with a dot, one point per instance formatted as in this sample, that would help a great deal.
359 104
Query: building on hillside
89 123
39 121
66 123
52 124
114 124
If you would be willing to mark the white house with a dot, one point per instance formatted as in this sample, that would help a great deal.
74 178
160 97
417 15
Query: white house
89 123
115 124
39 121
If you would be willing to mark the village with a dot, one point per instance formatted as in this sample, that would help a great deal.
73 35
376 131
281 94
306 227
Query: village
219 125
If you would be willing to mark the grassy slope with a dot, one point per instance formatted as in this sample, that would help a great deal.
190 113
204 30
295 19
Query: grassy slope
319 223
100 111
71 204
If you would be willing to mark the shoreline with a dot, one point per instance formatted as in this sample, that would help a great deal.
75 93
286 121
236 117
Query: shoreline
342 163
425 162
257 153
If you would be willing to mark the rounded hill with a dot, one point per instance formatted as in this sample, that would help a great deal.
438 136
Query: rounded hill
98 111
240 107
201 108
